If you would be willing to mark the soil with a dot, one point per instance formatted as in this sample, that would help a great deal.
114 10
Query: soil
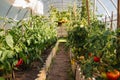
60 68
31 74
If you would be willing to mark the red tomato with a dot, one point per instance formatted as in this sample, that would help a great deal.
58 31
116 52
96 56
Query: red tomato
117 72
96 59
113 75
20 62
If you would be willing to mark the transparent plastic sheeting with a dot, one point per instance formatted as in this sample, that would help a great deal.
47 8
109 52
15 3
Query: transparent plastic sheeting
106 7
5 5
103 7
17 10
20 8
59 4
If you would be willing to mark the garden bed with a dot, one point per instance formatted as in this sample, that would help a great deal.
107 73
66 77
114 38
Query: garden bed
76 69
31 73
43 72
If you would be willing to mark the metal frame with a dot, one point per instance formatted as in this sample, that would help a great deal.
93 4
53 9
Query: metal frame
25 14
104 7
99 1
94 8
113 4
8 10
17 14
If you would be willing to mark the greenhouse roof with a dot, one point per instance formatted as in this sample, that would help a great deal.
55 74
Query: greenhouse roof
104 7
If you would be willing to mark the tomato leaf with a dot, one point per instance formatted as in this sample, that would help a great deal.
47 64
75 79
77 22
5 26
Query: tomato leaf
28 41
2 33
9 40
17 49
0 53
3 56
10 54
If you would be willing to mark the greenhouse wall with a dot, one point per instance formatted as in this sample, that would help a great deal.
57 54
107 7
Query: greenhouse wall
5 5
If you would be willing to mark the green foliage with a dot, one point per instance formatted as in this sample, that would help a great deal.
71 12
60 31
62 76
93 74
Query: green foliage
27 40
9 40
77 38
118 45
84 10
98 41
102 43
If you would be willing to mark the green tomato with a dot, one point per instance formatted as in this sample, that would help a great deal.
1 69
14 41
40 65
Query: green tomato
103 75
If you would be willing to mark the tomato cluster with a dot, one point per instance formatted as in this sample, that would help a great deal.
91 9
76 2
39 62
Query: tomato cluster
111 75
95 58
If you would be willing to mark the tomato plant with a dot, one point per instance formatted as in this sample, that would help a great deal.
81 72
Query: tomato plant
98 48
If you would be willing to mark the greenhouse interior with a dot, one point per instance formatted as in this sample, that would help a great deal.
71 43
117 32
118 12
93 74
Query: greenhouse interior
59 39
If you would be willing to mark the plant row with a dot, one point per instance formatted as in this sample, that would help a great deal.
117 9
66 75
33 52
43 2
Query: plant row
94 49
24 43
